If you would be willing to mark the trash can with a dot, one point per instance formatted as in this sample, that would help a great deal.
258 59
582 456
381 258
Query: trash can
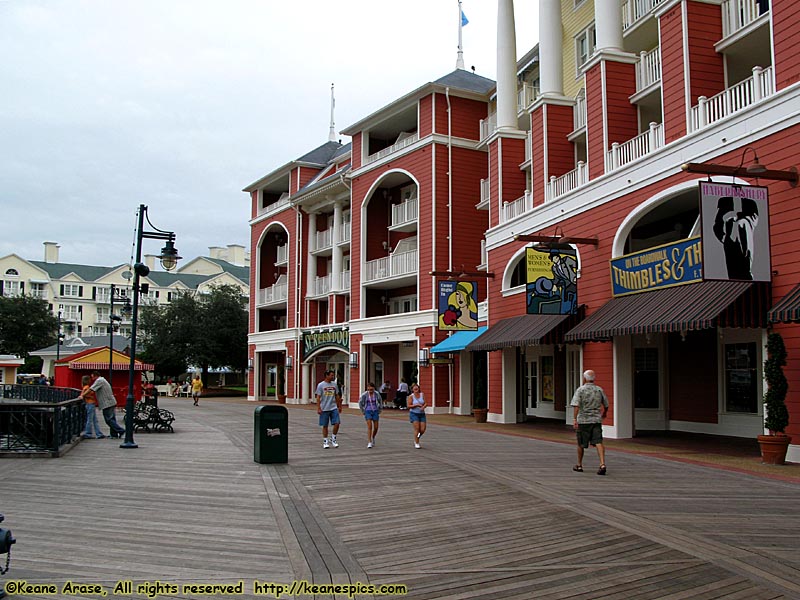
271 444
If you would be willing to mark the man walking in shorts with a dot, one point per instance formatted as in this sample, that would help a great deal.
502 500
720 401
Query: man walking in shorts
329 405
591 407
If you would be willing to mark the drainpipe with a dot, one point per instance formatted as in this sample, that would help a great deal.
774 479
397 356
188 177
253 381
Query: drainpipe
298 286
450 370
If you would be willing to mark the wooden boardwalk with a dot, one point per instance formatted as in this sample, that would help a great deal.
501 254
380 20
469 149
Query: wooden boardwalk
472 514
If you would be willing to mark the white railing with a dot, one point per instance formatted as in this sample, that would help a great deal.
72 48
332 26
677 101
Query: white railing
404 212
579 110
344 280
558 186
392 149
322 285
528 146
485 191
648 69
323 239
394 265
743 94
274 293
633 10
484 256
526 95
642 144
488 126
280 203
282 254
521 205
738 14
345 233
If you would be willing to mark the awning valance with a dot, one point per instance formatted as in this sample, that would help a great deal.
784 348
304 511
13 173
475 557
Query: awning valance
684 308
101 366
525 330
788 309
458 341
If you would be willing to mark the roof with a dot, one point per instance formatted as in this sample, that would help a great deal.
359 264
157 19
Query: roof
682 308
242 273
190 280
85 272
458 341
318 157
466 80
787 310
82 343
525 330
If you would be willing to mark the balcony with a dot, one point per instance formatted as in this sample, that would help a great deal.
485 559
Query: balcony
648 69
528 147
345 233
406 140
641 145
738 14
282 255
274 294
322 241
634 11
558 186
344 281
404 215
282 202
488 126
511 210
395 265
526 95
745 93
579 111
322 286
484 257
485 195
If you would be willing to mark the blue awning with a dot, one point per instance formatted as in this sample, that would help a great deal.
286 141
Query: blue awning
458 341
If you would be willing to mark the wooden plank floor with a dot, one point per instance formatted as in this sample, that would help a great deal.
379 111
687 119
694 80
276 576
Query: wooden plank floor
470 515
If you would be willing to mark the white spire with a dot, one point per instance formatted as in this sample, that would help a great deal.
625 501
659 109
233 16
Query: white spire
460 59
332 132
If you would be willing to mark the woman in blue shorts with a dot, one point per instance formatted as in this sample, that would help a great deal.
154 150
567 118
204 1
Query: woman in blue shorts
416 413
370 404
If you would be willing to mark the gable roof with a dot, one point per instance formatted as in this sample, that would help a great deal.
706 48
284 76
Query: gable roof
85 272
318 157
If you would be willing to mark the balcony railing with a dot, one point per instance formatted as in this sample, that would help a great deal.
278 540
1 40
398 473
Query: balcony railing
579 111
642 144
488 126
558 186
743 94
282 255
280 203
323 239
738 14
526 95
344 280
414 137
344 233
634 10
275 293
394 265
528 146
520 206
405 212
648 69
39 419
484 257
322 285
485 193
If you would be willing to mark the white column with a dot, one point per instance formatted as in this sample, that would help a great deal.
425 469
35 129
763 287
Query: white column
311 266
608 24
306 399
506 66
551 80
336 266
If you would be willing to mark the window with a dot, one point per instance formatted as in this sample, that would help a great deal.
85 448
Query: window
741 378
12 273
584 46
72 290
520 273
548 392
11 289
645 378
38 291
403 304
71 312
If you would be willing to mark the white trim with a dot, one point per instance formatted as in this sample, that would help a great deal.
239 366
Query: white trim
687 80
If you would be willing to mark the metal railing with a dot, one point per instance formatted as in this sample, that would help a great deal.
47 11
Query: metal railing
404 212
738 14
733 99
642 144
392 149
39 419
648 69
521 205
634 10
558 186
394 265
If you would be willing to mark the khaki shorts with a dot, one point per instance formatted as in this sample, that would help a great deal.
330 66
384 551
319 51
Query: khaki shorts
589 433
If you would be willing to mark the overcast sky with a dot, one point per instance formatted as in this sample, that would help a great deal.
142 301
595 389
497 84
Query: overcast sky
179 104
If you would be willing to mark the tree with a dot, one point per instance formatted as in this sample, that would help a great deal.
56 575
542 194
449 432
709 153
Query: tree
168 333
26 324
777 415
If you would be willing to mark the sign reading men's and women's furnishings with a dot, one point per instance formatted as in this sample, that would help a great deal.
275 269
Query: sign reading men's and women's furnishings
551 280
733 246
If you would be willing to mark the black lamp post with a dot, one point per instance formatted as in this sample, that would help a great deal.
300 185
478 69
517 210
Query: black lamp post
59 338
113 325
169 258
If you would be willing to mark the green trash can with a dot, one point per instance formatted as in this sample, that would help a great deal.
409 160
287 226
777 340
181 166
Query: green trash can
271 443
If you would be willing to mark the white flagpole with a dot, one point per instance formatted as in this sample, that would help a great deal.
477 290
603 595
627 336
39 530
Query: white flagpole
332 132
460 59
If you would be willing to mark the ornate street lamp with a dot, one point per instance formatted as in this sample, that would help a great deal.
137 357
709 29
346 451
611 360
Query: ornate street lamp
114 322
169 259
59 339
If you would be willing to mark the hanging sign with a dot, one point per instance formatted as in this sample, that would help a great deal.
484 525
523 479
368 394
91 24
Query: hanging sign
552 280
458 306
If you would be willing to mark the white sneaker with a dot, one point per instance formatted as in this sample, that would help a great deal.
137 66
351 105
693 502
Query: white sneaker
416 445
334 442
370 445
325 443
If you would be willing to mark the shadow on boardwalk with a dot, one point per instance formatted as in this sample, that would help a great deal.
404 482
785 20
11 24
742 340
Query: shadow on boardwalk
473 514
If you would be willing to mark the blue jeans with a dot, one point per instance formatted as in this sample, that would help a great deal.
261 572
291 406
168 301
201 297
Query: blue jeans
110 416
91 422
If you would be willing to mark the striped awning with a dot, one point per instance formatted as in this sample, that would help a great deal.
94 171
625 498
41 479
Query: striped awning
525 330
701 305
103 366
787 310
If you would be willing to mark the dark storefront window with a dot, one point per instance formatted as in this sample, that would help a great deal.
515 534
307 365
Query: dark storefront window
645 378
741 372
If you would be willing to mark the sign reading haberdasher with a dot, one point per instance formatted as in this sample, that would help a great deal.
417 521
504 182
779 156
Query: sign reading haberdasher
735 228
656 268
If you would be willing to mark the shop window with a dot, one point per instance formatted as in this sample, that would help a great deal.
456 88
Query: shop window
741 378
645 378
548 393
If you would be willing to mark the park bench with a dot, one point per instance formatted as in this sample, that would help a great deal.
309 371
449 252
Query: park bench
149 418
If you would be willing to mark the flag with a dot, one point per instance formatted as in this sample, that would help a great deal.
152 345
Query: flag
464 20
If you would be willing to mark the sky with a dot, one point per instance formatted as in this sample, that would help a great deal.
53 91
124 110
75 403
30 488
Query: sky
179 104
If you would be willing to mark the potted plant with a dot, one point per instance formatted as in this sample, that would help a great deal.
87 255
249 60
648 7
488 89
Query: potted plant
776 418
281 387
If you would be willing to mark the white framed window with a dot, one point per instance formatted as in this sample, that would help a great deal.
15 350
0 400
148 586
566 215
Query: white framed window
403 304
11 289
585 43
71 312
103 312
71 290
38 290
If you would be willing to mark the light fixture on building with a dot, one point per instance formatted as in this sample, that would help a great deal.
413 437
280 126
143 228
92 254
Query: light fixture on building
385 245
354 360
289 362
756 168
249 364
424 357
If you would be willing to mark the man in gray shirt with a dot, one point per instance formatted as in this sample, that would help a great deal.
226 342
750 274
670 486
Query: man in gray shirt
329 405
107 403
591 406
